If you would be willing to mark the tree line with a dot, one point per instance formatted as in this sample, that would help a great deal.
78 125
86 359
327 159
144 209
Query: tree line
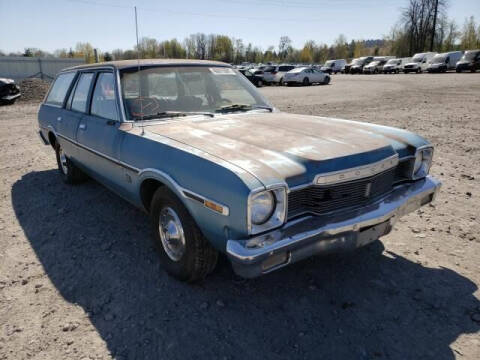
422 25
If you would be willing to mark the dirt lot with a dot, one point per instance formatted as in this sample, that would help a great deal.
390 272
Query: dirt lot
79 278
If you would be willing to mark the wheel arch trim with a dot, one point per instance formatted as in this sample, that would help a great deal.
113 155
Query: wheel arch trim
181 192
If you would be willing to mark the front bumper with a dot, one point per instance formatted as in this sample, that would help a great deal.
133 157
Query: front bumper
312 235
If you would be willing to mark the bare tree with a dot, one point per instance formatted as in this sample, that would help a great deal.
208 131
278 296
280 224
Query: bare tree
419 21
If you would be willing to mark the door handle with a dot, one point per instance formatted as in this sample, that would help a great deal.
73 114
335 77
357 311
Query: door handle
82 126
59 118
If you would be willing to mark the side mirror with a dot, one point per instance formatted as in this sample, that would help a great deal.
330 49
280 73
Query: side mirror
424 61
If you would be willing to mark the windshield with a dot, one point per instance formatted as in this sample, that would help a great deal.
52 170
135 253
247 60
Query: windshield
297 70
418 58
374 63
470 55
439 59
330 63
164 90
392 61
358 61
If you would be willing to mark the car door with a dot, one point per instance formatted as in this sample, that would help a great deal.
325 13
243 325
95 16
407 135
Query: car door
98 133
75 108
317 76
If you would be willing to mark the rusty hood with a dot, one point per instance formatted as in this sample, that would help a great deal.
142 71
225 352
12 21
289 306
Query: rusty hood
277 146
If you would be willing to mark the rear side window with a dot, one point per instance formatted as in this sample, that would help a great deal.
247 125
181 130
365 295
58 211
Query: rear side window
103 101
59 89
79 101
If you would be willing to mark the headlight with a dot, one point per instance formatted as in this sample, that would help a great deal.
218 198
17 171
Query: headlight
262 206
267 209
423 162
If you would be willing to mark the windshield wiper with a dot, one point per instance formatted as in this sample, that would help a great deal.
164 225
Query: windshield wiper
168 114
241 107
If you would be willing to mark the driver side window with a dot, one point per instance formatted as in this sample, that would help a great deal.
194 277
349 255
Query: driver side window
104 102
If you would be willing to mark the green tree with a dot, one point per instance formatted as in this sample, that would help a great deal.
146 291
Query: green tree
469 39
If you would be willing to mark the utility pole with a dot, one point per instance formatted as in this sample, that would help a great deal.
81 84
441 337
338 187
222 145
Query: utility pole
434 25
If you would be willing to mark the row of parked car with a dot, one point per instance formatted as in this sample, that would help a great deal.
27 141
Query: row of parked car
288 74
428 61
285 75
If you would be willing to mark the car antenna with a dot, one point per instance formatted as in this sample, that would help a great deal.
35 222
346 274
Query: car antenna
139 82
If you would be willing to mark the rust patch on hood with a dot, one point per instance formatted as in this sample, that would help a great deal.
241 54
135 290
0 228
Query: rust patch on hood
271 146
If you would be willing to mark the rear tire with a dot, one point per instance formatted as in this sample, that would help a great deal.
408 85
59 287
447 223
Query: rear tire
327 80
259 83
280 83
306 82
184 252
69 172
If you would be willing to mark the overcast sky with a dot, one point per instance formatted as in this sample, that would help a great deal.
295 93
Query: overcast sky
109 24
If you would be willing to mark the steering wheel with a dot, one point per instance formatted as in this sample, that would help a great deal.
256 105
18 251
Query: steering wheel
142 106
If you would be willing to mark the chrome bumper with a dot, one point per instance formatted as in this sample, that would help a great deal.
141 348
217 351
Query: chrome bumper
312 235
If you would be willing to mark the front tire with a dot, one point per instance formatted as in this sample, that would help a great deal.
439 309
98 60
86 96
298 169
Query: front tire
184 252
306 82
327 80
69 172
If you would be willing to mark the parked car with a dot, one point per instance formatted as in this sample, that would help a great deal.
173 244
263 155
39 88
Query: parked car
174 137
470 61
305 76
276 75
395 65
358 64
333 66
9 91
255 77
419 62
445 61
376 66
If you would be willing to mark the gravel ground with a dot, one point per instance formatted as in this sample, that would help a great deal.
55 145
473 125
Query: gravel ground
79 278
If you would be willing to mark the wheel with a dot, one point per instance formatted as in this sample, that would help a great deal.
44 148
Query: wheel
306 82
327 80
184 252
69 172
419 71
458 70
376 71
259 83
280 83
397 71
7 102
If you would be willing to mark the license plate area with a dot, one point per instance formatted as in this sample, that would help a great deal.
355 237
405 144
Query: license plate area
369 234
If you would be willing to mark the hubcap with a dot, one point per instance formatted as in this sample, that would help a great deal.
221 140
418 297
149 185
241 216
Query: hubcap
63 161
171 234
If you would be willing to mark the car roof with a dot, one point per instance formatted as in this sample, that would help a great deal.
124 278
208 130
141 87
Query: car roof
123 64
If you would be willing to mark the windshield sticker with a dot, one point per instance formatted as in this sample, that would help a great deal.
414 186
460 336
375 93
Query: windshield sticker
222 71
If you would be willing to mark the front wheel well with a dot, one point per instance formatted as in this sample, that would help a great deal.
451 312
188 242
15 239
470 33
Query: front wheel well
52 139
147 190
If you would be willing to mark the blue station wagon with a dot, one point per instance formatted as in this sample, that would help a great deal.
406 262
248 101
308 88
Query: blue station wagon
219 169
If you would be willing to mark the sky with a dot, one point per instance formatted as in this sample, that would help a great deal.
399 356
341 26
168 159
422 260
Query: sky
110 24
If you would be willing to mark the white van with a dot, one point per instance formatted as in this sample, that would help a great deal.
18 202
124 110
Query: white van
395 65
334 66
419 62
445 61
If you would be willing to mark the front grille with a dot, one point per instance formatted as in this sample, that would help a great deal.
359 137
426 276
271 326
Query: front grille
320 199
